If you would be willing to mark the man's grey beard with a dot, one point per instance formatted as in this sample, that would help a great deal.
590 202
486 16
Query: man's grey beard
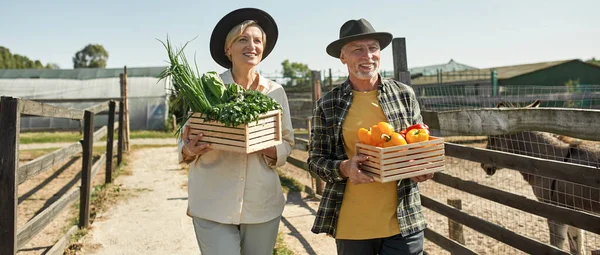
367 76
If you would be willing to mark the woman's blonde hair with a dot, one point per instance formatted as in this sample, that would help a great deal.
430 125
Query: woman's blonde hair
237 31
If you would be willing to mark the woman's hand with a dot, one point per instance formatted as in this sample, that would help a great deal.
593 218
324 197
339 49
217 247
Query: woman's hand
270 152
192 146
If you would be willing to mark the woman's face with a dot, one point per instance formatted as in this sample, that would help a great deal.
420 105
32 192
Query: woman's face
248 48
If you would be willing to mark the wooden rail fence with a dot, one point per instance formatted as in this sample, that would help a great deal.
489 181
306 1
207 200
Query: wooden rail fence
493 122
11 174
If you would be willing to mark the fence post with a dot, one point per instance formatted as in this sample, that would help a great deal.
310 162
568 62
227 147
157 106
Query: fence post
316 82
330 80
125 109
120 141
401 72
455 229
86 169
10 118
494 77
109 142
308 127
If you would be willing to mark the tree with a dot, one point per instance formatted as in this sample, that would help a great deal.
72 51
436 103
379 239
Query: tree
298 74
52 66
16 61
91 56
594 61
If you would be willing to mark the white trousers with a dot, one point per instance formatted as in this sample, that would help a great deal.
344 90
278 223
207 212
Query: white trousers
245 239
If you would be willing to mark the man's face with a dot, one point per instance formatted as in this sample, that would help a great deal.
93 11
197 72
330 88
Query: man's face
362 58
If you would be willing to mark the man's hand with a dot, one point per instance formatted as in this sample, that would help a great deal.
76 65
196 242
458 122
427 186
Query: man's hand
351 170
422 178
192 146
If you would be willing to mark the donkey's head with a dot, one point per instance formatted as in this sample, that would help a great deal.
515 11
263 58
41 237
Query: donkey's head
508 143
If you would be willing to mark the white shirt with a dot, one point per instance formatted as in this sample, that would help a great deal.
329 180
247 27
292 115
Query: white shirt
237 188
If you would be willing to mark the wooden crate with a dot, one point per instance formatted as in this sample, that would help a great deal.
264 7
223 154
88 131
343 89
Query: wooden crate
247 139
405 161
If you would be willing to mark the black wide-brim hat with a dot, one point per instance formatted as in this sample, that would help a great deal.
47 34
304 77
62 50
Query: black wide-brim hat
234 18
354 30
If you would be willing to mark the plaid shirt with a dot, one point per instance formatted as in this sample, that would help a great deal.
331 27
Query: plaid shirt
401 109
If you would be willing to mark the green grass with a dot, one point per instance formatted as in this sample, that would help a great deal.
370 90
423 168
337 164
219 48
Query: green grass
49 137
140 134
68 137
280 248
289 184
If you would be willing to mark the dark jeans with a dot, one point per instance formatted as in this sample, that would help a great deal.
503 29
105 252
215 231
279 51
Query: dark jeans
410 245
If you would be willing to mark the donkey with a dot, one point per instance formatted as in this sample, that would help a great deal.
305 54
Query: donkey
548 146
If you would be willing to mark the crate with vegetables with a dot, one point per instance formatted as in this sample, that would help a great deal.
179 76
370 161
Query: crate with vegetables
230 118
400 155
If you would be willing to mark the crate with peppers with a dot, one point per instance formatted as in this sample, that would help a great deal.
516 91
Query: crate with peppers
399 155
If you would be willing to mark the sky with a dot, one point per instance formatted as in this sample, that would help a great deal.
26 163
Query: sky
476 33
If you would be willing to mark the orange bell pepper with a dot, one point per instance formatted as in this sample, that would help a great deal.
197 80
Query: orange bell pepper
385 128
417 135
395 140
377 136
364 136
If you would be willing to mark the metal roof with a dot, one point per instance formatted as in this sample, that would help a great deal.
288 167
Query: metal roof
503 72
80 73
451 66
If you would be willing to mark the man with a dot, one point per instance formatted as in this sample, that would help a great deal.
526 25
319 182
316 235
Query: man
365 217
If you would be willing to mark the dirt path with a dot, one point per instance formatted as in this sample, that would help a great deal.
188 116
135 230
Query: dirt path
153 222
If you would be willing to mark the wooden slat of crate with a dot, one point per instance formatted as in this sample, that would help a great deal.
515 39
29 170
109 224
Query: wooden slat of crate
260 139
378 178
262 121
406 161
261 133
217 134
426 157
220 129
216 140
413 168
269 125
393 155
261 146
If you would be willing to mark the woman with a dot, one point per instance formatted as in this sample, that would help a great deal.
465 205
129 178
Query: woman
235 199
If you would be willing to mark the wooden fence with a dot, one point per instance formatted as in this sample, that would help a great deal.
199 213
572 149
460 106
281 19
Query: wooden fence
11 174
569 122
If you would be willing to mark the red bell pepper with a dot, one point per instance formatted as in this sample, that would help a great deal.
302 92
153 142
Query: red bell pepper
417 126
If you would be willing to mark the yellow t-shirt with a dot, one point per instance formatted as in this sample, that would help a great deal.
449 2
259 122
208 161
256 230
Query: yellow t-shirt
368 210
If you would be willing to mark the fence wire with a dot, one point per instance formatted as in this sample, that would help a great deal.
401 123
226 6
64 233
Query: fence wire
537 144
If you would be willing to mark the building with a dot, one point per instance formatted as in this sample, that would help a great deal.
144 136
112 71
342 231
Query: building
81 88
554 81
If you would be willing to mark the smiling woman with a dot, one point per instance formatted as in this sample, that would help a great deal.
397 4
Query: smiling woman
243 189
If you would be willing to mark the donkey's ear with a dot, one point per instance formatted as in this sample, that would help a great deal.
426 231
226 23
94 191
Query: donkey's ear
535 103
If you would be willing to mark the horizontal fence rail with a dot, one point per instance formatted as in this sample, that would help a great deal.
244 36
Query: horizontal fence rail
45 110
574 218
575 123
492 230
580 174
